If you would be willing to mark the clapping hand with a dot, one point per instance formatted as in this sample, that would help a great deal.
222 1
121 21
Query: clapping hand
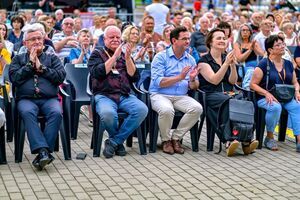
184 72
194 73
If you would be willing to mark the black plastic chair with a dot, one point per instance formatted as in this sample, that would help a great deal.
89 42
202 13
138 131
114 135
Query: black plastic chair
98 128
210 133
177 116
75 85
8 104
260 115
2 146
20 134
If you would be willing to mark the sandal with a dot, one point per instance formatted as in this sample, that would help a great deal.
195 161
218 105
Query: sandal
231 147
271 144
249 148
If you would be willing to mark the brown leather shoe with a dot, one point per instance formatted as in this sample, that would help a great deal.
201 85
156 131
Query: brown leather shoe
167 147
177 147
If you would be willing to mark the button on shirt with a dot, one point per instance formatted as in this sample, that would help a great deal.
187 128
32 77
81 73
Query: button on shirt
165 64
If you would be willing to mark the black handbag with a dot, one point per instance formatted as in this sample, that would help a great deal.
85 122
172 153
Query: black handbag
282 92
241 116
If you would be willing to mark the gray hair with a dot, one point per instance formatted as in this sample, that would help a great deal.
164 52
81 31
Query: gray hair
108 28
59 10
33 28
67 18
239 39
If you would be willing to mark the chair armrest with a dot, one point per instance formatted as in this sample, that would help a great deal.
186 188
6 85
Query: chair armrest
63 92
136 90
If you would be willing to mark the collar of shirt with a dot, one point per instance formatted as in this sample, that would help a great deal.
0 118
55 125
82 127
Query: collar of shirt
171 53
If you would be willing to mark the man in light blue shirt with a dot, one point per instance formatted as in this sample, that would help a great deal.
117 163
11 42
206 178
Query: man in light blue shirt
173 72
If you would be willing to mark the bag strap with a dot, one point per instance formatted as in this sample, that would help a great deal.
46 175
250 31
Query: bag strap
268 73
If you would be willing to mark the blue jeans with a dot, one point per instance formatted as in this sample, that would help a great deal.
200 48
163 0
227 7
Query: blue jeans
51 109
108 109
274 111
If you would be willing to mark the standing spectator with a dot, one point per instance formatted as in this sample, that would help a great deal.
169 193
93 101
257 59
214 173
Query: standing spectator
59 16
112 72
198 37
169 86
160 14
111 13
36 76
65 40
47 5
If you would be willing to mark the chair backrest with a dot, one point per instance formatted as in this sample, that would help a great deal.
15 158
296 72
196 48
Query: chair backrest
292 50
5 74
77 76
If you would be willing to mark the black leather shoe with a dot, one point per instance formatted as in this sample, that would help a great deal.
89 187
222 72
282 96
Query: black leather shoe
109 149
120 151
44 159
36 162
51 158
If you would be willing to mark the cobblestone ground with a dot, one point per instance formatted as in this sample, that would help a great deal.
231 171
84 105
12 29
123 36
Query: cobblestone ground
194 175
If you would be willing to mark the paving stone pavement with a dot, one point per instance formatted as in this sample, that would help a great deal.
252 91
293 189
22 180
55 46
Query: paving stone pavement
194 175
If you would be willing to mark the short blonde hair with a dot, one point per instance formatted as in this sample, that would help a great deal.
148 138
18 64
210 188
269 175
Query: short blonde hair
127 31
287 25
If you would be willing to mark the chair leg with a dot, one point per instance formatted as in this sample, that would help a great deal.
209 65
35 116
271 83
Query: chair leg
194 137
9 123
154 133
260 127
282 126
65 140
98 139
202 118
19 141
142 141
210 136
2 146
76 120
129 140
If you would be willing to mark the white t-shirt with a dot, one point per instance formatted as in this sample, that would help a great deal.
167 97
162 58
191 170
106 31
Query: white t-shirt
159 12
260 38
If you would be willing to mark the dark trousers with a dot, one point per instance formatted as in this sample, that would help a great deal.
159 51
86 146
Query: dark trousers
29 110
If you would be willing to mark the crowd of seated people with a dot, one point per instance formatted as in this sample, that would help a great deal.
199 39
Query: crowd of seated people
185 54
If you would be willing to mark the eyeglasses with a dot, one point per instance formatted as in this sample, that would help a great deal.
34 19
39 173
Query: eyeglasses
67 23
184 39
245 30
134 33
279 45
34 39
